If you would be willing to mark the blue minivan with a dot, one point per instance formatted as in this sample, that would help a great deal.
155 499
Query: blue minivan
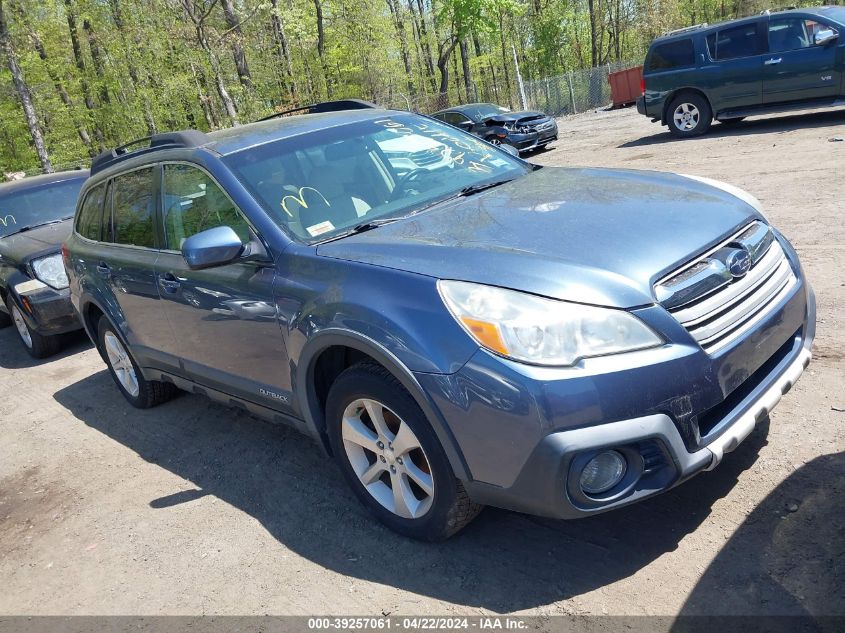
478 331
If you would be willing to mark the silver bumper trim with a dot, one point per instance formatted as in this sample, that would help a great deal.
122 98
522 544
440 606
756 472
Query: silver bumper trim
661 426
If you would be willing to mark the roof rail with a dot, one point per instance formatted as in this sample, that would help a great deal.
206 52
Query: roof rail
325 106
770 11
182 138
686 29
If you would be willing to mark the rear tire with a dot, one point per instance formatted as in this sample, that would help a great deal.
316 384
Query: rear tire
36 345
399 451
689 115
141 393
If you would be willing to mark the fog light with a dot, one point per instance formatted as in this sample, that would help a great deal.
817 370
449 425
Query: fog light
603 472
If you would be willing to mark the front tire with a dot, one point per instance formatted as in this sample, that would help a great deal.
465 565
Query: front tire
689 115
391 457
141 393
36 345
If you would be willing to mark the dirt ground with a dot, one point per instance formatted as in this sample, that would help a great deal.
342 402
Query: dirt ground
194 508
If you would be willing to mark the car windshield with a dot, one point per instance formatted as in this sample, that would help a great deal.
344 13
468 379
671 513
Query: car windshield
323 185
481 111
33 207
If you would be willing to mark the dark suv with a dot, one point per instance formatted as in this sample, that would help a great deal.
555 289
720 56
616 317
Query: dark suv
555 341
35 218
773 62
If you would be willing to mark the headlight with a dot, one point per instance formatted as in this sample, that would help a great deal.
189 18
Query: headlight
51 270
542 331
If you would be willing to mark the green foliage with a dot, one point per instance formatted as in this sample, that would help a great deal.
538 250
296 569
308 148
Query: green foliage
142 67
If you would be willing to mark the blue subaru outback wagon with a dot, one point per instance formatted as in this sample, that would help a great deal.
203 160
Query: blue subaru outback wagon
476 331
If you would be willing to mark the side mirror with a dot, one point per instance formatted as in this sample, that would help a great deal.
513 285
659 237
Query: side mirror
509 149
465 125
212 247
824 37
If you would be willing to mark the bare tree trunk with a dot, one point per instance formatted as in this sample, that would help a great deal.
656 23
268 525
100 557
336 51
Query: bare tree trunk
199 26
70 10
38 45
468 85
423 32
207 111
445 51
237 36
24 94
321 46
399 25
97 58
117 16
284 48
505 61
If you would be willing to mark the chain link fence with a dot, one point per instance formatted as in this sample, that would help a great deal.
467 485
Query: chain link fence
560 95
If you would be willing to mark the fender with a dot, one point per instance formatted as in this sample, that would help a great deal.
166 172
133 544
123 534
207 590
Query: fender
307 398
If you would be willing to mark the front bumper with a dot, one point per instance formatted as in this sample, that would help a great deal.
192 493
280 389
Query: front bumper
525 432
46 310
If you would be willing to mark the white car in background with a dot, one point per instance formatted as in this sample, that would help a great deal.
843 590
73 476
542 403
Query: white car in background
407 152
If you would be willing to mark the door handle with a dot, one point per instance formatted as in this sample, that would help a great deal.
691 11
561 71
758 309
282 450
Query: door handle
169 283
773 61
103 269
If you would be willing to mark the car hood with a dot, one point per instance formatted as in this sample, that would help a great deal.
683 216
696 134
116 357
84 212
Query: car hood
593 236
42 240
525 116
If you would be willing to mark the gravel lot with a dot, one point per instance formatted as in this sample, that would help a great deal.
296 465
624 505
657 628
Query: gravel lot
194 508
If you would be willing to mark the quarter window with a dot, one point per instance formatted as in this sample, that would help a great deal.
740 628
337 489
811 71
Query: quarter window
677 54
193 203
91 213
734 42
133 202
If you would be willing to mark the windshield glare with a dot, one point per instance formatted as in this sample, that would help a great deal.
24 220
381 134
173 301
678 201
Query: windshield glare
483 110
321 185
32 207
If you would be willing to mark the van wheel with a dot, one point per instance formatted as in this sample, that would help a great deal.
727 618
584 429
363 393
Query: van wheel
140 393
36 345
689 115
391 457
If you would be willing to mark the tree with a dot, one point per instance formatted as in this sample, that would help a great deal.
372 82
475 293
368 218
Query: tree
24 94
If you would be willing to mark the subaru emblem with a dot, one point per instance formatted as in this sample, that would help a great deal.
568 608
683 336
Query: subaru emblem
738 262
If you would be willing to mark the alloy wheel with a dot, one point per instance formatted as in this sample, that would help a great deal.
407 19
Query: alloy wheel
388 459
121 364
686 117
20 324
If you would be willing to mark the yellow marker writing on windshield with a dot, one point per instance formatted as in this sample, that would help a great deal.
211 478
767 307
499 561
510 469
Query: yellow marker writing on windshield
300 199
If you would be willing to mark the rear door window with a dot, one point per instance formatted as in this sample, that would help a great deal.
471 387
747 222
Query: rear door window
133 203
91 214
676 54
734 42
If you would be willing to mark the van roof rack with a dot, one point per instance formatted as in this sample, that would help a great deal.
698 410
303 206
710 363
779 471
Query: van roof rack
182 138
686 29
325 106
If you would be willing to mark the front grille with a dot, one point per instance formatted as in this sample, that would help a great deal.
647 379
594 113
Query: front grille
427 157
717 308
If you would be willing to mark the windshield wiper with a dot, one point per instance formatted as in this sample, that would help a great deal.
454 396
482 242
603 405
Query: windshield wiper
473 189
29 227
363 227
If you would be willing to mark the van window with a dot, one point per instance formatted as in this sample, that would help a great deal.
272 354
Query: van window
132 208
792 34
193 203
734 42
90 215
676 54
